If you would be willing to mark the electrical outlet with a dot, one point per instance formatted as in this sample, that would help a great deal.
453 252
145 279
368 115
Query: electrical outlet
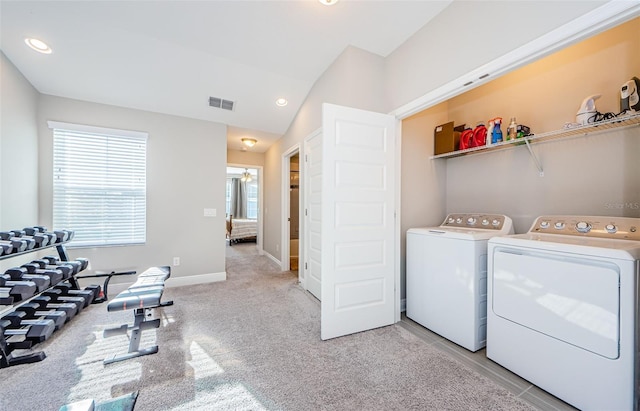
210 212
176 261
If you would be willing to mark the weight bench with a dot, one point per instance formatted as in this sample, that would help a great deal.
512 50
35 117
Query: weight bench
143 295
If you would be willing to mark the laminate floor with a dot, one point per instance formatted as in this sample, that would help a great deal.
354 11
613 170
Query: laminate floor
479 362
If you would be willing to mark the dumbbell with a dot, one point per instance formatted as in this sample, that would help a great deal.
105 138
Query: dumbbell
10 236
57 273
34 331
5 297
19 290
20 274
45 303
29 312
79 264
13 246
61 235
57 297
33 231
68 291
40 239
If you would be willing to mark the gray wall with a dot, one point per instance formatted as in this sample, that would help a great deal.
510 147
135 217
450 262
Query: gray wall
18 149
186 171
355 80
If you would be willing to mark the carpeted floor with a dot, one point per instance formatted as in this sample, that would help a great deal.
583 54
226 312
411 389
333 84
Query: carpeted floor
249 343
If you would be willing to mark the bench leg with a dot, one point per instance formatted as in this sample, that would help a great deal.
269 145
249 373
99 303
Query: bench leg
139 325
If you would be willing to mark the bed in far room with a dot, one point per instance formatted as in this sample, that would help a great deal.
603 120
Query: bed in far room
241 229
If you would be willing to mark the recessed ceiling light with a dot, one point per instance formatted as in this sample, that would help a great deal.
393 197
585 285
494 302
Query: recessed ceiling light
328 2
38 45
282 102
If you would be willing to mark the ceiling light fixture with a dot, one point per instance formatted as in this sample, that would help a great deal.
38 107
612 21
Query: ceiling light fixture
38 45
281 102
328 2
246 176
249 142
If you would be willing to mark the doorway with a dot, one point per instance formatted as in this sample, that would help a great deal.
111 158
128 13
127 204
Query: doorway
243 204
294 211
291 192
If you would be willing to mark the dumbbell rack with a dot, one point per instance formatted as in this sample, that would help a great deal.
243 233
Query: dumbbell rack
6 359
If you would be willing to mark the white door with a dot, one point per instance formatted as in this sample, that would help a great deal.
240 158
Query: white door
358 220
312 212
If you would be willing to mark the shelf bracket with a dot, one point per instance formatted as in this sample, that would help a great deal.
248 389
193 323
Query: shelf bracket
535 158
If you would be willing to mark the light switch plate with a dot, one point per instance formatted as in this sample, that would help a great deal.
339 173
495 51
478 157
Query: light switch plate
210 212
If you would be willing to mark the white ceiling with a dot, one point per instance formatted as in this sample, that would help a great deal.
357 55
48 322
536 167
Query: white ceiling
171 56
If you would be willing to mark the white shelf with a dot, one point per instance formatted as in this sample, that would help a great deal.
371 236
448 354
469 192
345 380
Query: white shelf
630 120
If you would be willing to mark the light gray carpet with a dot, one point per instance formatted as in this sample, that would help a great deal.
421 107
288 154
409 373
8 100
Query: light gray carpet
250 343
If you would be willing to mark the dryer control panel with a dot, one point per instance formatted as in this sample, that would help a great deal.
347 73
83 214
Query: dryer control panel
482 221
621 228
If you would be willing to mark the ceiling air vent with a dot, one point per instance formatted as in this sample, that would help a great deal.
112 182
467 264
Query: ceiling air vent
218 102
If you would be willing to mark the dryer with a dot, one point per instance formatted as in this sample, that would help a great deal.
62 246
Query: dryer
447 276
563 308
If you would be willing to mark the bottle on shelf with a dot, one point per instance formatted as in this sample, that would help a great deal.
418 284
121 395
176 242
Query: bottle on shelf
490 132
512 130
496 135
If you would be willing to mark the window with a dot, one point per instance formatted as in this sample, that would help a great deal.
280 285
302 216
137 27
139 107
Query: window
252 199
99 184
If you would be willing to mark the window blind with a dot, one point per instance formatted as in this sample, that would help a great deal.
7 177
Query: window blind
99 186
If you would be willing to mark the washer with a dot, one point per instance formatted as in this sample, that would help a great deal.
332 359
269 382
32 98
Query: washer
447 276
563 304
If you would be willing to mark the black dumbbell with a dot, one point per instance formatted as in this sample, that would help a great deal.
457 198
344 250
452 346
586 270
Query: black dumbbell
32 311
57 274
5 297
33 231
50 262
45 303
10 236
34 331
20 274
40 239
13 246
68 291
60 235
57 297
79 264
19 290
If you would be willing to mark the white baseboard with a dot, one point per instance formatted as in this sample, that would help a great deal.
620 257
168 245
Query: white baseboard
272 258
116 288
196 279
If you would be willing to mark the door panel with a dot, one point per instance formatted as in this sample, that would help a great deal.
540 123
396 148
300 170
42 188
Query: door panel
358 224
573 300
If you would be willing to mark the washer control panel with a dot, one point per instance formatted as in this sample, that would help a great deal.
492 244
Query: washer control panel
622 228
482 221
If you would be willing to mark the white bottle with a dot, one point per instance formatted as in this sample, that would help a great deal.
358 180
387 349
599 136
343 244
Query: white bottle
489 132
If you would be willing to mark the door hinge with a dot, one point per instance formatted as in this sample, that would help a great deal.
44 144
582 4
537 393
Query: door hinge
306 158
305 266
305 212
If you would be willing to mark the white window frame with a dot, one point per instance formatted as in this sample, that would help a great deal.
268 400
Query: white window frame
130 190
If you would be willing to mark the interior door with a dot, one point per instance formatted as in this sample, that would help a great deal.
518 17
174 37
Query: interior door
358 220
312 213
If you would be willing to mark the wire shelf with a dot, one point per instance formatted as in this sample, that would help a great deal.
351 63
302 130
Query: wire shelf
630 120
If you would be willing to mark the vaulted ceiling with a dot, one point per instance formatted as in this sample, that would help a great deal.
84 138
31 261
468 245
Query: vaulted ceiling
171 56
